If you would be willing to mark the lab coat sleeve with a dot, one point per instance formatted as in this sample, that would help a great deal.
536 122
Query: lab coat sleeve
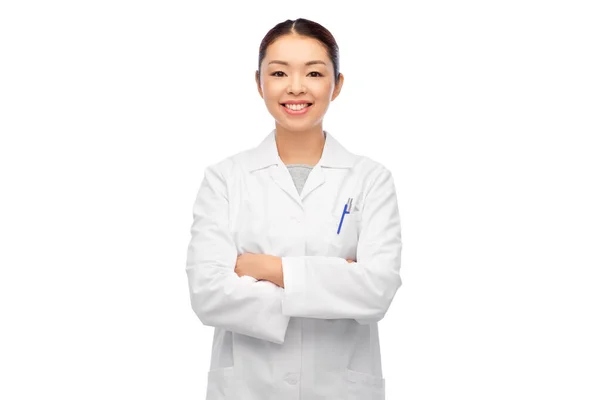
219 297
330 287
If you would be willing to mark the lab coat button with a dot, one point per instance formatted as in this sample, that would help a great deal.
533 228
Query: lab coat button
292 379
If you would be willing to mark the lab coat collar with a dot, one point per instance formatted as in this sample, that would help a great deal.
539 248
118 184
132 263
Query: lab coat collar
334 154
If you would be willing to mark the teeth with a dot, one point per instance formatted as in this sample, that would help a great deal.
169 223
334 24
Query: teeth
296 107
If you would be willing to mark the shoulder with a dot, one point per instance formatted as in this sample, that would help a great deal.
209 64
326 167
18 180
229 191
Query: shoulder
371 170
231 165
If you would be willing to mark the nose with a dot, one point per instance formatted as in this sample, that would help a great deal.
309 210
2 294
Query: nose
296 85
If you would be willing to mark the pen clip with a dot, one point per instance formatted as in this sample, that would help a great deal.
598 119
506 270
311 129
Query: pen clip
349 203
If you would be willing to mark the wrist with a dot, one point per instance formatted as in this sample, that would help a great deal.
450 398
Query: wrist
274 269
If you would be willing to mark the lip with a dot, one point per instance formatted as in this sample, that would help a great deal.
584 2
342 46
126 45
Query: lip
292 112
296 102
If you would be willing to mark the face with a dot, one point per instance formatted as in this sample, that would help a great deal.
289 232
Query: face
285 76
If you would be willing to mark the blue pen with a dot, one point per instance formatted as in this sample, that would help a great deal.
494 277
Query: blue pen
347 208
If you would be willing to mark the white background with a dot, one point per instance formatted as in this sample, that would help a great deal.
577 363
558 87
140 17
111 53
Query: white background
487 113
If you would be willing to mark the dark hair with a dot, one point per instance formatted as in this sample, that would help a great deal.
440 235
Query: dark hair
303 27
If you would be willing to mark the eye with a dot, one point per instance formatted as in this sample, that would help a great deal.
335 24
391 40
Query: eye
310 73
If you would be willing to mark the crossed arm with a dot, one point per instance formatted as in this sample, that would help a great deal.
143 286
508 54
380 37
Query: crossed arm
262 267
231 292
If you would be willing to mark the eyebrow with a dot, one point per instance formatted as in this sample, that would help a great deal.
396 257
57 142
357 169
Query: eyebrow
286 63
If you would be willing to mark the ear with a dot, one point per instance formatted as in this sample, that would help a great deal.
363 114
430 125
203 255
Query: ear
338 87
257 79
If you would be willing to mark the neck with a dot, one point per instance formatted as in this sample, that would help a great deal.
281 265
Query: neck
300 147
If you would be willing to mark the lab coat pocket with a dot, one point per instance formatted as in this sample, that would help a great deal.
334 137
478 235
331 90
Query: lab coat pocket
223 384
363 386
343 244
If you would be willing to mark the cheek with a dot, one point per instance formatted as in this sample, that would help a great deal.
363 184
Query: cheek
271 96
271 101
273 88
273 107
322 93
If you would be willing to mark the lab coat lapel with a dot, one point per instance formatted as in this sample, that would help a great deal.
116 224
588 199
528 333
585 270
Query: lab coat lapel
315 179
334 156
266 155
281 175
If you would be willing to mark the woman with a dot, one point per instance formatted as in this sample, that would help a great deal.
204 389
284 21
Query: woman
276 233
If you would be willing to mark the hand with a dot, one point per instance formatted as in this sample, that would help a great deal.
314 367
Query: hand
249 264
350 261
257 266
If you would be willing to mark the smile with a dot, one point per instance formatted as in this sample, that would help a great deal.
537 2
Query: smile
296 109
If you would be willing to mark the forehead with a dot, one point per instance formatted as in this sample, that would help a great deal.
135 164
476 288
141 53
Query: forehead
296 50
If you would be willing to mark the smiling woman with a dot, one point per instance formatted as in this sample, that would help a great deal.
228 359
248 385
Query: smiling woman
298 73
295 249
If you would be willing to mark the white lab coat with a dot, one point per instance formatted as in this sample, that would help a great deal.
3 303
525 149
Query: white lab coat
316 338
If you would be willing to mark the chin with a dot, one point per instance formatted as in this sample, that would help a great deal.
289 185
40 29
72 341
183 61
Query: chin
297 127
